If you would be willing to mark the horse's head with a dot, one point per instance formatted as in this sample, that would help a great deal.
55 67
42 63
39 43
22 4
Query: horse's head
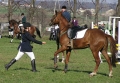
13 23
56 18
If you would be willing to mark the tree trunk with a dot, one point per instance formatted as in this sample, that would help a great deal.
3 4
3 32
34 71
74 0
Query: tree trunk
117 10
10 9
32 10
96 11
75 8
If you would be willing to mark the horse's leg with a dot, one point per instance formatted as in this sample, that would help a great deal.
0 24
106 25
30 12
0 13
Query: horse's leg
68 52
97 60
63 57
104 52
57 42
100 57
14 34
12 38
61 49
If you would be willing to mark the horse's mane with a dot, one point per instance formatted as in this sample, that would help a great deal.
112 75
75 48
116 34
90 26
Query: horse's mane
64 20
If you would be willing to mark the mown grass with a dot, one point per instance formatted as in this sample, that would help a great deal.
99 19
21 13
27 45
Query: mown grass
80 65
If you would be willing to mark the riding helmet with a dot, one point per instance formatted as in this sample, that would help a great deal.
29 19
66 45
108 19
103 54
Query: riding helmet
64 7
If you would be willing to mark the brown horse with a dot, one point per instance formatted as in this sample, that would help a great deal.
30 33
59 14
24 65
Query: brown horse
15 25
95 39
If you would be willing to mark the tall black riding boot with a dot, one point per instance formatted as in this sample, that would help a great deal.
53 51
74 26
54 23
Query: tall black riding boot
33 65
9 64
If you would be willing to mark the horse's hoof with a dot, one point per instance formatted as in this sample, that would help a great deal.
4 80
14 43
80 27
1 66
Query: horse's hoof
92 74
110 76
65 70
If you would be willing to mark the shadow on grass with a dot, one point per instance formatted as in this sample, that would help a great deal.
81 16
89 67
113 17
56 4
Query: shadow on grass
24 69
88 72
21 68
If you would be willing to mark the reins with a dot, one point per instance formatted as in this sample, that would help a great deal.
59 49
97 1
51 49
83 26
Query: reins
63 33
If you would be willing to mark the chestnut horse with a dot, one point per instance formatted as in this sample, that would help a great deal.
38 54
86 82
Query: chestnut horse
95 39
15 25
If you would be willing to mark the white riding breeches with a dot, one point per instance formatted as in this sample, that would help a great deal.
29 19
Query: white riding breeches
10 32
20 54
20 25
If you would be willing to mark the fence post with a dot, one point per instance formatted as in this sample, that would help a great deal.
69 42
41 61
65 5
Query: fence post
118 45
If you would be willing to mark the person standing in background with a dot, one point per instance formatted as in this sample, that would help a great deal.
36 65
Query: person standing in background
75 22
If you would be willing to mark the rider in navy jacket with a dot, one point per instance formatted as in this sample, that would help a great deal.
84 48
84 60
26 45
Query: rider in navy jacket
25 47
66 14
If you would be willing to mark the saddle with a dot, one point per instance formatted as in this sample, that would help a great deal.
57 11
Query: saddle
73 30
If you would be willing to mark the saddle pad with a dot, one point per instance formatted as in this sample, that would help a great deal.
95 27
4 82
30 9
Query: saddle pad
80 34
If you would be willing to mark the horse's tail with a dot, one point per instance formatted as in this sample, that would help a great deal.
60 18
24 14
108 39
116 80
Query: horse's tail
112 49
38 32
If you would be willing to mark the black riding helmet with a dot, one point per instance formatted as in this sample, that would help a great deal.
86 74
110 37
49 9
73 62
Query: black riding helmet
27 24
22 14
64 7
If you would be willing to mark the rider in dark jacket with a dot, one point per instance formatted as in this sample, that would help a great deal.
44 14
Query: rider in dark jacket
25 47
65 13
23 18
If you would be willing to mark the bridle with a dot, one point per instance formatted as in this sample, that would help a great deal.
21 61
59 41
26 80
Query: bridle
61 31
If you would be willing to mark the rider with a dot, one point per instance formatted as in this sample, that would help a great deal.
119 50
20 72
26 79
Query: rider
65 13
25 47
75 22
23 20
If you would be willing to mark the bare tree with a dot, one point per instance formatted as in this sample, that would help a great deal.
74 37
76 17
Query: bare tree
118 9
88 14
96 10
12 7
98 7
32 10
10 11
75 8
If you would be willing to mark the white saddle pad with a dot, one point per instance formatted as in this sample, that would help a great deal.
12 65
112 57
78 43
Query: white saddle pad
80 34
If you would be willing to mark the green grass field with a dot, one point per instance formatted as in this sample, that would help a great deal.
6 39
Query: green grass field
80 65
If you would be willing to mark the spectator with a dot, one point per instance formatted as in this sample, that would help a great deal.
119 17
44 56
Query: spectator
95 26
75 22
52 34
